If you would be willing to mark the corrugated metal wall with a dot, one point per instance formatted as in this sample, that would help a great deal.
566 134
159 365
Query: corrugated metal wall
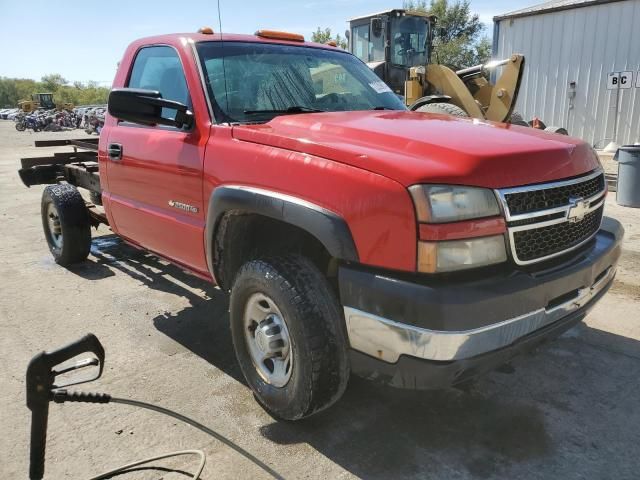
581 45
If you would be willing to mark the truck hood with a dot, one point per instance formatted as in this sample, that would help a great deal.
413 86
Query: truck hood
413 147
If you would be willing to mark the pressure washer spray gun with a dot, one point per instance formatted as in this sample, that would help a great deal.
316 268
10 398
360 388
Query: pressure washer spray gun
42 388
46 376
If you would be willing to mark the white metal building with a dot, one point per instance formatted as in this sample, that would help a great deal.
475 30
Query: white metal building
582 65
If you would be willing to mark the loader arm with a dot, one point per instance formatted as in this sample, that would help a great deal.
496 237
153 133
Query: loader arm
504 94
445 81
471 91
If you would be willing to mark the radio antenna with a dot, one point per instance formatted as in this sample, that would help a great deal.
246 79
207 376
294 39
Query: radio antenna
224 71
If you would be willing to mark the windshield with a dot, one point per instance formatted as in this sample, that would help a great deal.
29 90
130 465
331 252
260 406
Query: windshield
258 81
409 41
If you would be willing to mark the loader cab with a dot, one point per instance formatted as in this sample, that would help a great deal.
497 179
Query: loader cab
391 42
44 100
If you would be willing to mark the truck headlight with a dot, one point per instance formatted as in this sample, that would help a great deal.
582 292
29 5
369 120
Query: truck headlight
452 255
452 203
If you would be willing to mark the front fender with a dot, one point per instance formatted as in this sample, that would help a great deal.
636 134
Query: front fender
329 228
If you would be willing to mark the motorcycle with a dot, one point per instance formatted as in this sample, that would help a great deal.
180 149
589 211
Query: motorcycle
28 122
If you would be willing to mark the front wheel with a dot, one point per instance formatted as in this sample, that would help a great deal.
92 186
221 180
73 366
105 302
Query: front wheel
66 224
20 126
289 336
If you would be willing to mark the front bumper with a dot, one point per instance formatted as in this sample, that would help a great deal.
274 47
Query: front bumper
403 331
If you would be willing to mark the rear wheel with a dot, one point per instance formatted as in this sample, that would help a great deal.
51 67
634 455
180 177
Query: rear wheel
289 337
66 224
443 108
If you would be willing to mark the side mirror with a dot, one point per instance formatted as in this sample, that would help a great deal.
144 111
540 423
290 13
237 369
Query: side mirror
376 26
145 107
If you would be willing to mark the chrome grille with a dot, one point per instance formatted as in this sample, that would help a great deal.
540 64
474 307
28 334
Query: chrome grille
545 241
546 198
547 220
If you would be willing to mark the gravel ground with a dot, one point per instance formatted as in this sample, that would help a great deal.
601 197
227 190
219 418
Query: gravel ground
569 411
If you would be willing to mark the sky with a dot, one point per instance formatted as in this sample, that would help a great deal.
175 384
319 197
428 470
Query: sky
84 40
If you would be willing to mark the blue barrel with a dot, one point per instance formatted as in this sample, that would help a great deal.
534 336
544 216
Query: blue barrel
628 192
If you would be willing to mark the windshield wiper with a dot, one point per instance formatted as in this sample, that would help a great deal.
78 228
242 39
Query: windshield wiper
293 109
382 108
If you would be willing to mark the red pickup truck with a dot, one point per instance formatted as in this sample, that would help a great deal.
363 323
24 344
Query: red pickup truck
354 236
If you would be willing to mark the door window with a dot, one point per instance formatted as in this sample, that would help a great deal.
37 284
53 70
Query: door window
159 68
368 47
361 42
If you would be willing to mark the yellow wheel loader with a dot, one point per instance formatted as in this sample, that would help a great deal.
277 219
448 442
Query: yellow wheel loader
396 45
38 100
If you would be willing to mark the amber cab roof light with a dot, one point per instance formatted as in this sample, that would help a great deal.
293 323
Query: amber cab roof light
331 43
293 37
206 30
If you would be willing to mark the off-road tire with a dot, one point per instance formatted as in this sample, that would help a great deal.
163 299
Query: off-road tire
320 370
443 108
74 224
20 126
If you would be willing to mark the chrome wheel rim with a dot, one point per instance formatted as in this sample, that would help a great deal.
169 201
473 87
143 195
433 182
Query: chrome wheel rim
268 341
53 221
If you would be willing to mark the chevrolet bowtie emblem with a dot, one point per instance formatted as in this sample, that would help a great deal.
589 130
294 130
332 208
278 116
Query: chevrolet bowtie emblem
578 208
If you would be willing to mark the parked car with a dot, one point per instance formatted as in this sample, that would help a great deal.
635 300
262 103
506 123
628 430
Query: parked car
4 113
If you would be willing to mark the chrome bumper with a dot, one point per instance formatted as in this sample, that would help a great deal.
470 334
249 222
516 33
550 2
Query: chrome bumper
386 339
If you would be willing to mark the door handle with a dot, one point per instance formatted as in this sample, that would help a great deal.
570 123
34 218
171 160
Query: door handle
115 151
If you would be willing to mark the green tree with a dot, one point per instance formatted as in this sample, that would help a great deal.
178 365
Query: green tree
458 40
53 82
324 36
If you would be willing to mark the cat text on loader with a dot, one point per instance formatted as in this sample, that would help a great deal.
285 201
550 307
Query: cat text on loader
397 45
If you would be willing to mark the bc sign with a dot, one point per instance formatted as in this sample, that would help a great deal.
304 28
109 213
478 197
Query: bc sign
616 80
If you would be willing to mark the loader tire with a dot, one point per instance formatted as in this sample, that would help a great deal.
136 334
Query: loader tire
559 130
443 108
517 119
289 336
66 225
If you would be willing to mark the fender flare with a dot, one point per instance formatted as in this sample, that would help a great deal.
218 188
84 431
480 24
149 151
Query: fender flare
429 99
328 227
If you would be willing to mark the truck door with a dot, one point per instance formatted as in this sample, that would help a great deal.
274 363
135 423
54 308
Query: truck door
155 172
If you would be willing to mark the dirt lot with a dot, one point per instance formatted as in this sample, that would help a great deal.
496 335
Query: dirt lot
569 411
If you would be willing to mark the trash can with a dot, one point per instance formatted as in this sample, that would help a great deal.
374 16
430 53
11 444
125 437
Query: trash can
628 192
